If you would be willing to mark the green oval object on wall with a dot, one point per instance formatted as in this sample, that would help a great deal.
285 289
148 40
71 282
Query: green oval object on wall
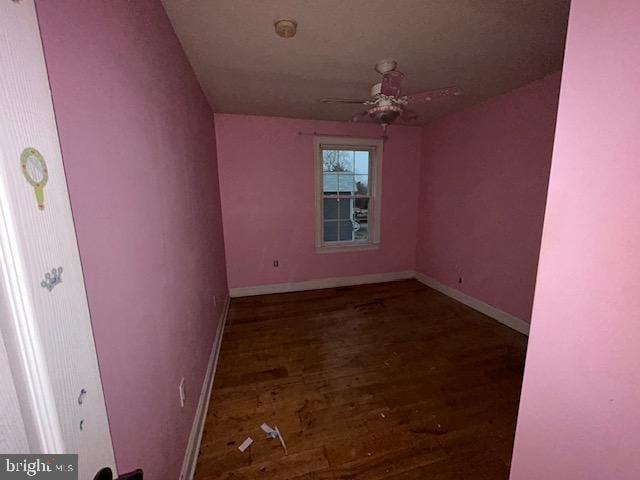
34 169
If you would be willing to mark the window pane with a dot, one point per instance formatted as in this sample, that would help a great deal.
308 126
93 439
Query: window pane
361 218
330 231
361 209
344 208
346 184
346 230
337 160
362 162
330 208
362 184
330 183
361 231
345 160
329 158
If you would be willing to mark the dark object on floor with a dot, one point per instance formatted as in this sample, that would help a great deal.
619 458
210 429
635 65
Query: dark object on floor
107 474
135 475
104 474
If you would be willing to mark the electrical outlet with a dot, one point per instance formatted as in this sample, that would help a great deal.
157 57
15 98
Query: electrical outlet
275 263
181 390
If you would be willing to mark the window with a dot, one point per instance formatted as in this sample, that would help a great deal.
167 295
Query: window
347 193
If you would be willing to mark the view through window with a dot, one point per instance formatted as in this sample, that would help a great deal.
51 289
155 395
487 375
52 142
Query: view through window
346 195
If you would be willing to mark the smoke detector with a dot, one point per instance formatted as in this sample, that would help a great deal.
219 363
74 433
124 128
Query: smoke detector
286 28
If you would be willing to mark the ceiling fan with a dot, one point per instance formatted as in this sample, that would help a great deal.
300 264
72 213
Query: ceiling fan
387 104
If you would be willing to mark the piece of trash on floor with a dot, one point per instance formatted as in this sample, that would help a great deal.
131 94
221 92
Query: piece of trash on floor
274 433
284 445
271 433
383 415
244 445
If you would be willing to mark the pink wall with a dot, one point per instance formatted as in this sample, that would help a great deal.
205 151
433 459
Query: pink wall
267 189
580 409
482 195
139 150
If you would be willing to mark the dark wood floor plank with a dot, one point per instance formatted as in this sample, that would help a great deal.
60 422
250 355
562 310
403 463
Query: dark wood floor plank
388 381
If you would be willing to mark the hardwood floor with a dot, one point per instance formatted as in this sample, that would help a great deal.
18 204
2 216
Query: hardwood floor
388 381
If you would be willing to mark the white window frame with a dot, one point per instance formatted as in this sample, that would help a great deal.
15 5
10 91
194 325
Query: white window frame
375 146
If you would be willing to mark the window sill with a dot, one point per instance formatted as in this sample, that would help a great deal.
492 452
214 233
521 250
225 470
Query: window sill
347 247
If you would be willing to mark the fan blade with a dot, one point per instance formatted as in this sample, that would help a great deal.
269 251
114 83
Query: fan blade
426 97
342 100
391 82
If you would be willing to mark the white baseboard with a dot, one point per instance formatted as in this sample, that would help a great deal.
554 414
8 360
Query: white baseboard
505 318
320 283
195 437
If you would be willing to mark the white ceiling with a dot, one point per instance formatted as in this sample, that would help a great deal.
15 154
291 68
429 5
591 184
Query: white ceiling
487 47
